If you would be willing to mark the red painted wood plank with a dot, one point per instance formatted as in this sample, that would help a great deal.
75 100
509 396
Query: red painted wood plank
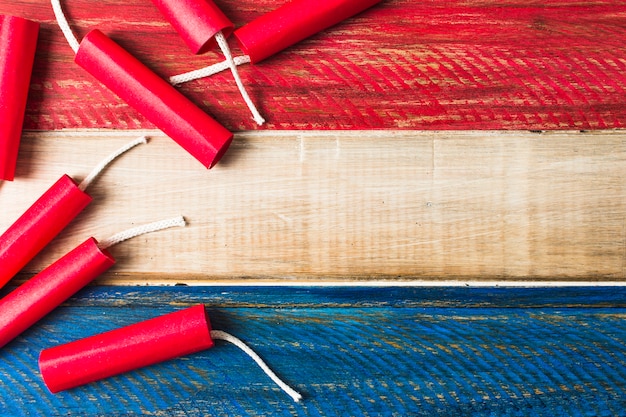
403 64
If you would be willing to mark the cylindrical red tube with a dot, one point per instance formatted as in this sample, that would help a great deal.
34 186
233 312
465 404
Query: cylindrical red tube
38 296
293 22
54 210
196 21
101 356
18 41
152 96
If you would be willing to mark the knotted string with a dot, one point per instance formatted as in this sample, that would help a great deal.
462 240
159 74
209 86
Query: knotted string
105 162
141 230
230 62
221 335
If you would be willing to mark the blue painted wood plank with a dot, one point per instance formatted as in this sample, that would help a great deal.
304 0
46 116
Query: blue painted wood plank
350 351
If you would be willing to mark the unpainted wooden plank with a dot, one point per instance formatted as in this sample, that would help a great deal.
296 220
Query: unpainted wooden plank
469 353
462 64
340 206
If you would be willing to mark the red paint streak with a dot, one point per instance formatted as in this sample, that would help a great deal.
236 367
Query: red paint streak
400 65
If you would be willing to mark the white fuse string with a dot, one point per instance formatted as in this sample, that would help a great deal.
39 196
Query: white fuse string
221 41
230 62
64 25
178 221
207 71
227 337
85 183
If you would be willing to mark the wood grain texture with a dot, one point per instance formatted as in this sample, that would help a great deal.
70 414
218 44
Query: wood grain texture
357 351
401 65
313 206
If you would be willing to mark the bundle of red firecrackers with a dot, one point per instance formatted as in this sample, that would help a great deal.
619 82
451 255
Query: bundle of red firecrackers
198 22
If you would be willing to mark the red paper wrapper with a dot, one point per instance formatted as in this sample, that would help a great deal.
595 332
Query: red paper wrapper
293 22
54 210
196 21
38 296
146 343
152 96
18 41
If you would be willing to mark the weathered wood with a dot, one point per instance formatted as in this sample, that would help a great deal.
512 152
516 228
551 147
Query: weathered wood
310 206
400 65
350 351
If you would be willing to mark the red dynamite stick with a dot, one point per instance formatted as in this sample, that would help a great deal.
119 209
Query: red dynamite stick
156 340
41 294
38 296
157 100
293 22
54 210
18 41
196 21
45 219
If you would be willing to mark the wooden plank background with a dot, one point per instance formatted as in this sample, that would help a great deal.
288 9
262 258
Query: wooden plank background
512 64
406 146
303 200
360 352
313 206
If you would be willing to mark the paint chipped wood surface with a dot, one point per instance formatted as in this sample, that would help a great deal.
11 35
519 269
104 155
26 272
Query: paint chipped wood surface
350 351
400 65
313 206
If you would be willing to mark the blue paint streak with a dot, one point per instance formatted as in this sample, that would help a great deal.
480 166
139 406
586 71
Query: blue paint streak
351 351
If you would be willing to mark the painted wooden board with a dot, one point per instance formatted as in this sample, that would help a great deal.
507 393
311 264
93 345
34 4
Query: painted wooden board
311 206
350 351
401 65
